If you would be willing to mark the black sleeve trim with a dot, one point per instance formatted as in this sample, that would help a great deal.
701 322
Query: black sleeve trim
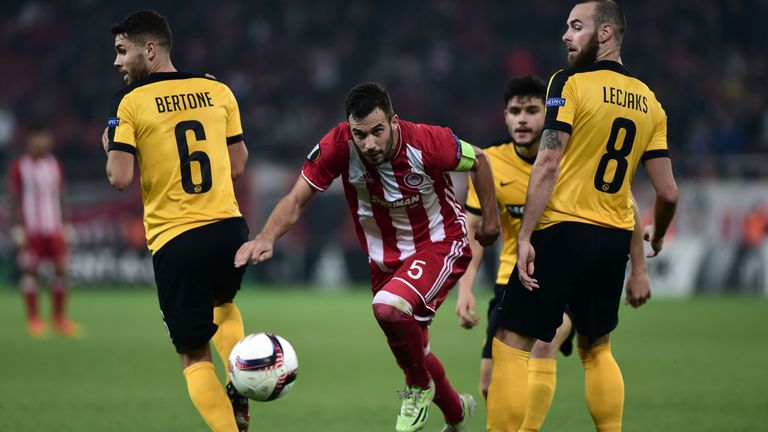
123 147
474 211
558 125
653 154
234 139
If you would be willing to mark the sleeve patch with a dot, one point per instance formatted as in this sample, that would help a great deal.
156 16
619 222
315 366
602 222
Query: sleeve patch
113 121
555 102
314 154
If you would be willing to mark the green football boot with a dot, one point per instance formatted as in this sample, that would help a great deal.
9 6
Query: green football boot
415 408
468 404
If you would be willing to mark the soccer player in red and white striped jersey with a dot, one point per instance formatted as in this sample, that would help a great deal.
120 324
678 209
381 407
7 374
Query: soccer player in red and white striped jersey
408 220
38 211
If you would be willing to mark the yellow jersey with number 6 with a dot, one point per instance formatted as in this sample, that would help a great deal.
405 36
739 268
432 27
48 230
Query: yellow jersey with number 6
614 122
178 126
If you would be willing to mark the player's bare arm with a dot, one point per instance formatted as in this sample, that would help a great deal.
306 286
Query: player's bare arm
282 218
660 172
120 169
238 156
638 288
542 182
482 177
466 305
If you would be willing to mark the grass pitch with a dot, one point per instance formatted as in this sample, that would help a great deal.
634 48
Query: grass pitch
694 365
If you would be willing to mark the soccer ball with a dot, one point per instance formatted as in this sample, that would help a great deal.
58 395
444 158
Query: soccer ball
263 366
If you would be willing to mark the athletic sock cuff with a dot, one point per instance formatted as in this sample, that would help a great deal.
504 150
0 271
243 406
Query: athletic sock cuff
194 367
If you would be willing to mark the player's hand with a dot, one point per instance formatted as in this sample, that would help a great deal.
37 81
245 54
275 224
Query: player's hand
656 243
465 310
18 236
105 140
486 233
525 267
638 289
257 251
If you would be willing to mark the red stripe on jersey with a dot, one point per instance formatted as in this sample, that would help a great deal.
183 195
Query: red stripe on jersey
417 214
384 221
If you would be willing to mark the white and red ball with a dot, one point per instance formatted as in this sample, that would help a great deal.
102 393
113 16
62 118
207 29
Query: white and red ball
263 366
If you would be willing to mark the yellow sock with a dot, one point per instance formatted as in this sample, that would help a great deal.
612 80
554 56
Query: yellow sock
604 387
508 392
230 322
542 381
209 397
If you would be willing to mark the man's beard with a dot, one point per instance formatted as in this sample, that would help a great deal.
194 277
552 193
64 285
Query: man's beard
587 55
139 72
533 141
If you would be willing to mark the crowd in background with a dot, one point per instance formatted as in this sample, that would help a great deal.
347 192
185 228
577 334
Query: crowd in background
445 62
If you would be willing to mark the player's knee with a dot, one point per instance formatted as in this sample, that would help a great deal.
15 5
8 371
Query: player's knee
388 313
388 307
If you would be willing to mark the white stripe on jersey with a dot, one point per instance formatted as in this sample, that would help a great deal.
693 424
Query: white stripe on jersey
41 190
460 216
430 199
373 237
399 215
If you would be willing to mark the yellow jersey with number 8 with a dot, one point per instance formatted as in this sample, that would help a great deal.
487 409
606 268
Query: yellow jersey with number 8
178 126
614 122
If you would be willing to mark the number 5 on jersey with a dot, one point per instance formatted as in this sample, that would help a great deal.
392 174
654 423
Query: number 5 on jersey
416 269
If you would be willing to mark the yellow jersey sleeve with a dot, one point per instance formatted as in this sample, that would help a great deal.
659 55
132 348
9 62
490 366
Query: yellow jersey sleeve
561 103
234 126
657 146
121 126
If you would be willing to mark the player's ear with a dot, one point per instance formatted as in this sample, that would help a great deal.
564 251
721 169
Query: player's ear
394 120
150 50
605 32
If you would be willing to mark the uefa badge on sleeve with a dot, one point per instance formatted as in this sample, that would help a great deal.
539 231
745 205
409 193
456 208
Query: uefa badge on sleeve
314 154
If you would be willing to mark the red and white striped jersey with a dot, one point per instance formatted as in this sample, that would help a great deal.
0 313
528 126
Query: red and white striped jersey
39 184
401 205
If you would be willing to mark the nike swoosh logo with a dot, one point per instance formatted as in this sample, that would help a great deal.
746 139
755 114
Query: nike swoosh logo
502 184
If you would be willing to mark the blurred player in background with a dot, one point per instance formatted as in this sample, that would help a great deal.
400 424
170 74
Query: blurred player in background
38 216
185 131
512 161
600 123
395 178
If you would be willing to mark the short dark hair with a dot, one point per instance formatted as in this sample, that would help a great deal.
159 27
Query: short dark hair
363 99
143 24
525 85
608 11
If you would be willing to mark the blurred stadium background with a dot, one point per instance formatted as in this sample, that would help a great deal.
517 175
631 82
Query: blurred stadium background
445 62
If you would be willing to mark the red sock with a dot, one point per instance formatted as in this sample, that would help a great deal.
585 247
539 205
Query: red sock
446 397
59 293
29 291
406 342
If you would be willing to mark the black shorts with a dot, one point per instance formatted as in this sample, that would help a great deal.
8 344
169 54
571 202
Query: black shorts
493 325
193 272
576 264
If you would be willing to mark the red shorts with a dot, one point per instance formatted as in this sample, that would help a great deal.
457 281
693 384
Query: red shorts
425 278
41 247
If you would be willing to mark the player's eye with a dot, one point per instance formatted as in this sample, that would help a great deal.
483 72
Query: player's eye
514 111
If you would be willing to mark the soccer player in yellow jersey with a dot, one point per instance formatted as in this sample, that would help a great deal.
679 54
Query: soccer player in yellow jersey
512 161
185 132
574 239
